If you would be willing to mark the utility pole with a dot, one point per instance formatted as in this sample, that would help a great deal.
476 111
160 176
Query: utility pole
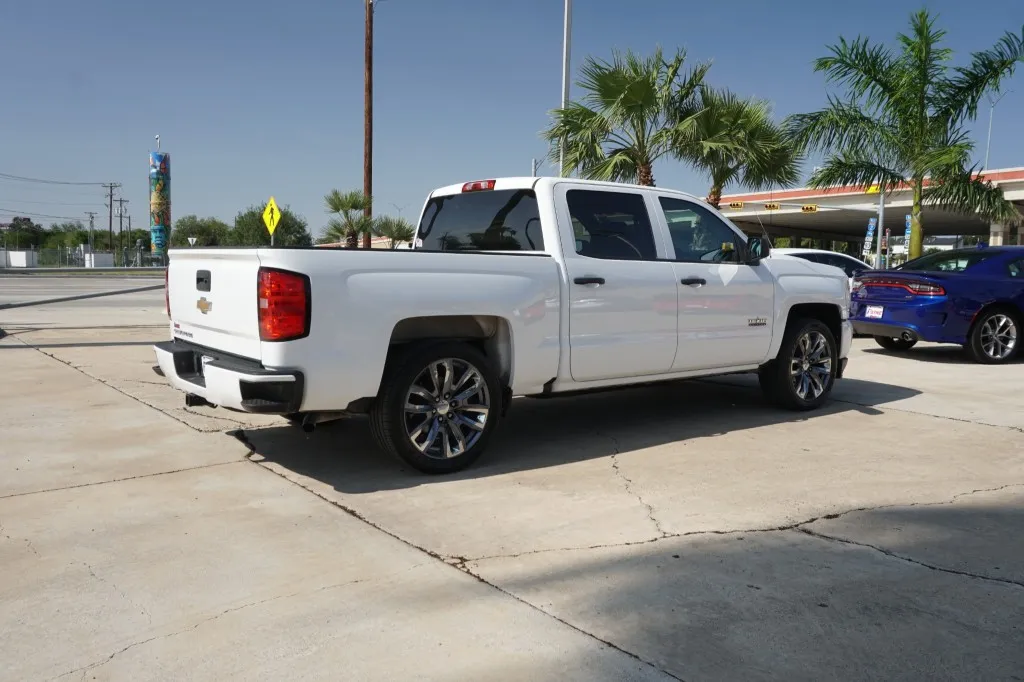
120 223
92 221
111 186
368 117
533 168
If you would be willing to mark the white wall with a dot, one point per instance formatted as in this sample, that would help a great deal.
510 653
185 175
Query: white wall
99 260
19 259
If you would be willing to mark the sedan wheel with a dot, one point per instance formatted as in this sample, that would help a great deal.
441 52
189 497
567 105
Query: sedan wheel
994 337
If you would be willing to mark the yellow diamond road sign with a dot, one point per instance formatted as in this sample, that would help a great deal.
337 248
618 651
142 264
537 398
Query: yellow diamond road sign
271 216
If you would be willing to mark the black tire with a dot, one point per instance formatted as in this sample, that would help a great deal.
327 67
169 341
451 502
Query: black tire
979 343
775 377
390 424
894 343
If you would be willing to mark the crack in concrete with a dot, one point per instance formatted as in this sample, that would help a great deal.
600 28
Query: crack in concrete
630 486
111 386
104 661
744 531
458 563
901 557
120 480
28 542
124 595
904 410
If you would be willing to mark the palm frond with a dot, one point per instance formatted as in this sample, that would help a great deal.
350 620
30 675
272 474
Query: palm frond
338 202
851 168
962 94
962 192
865 70
841 125
395 230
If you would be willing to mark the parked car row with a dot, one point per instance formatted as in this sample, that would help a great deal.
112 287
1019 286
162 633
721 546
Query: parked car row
972 297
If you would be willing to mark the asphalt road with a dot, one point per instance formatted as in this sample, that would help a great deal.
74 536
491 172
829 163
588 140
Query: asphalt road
684 531
33 288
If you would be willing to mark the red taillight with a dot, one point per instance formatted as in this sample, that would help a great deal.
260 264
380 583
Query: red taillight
478 186
917 288
167 291
283 304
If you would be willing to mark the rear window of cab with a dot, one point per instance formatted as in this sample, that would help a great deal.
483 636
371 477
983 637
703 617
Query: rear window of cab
496 220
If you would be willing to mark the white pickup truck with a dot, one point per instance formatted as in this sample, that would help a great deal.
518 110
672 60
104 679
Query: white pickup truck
514 287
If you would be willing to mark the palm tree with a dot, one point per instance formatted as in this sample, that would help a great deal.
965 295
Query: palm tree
736 141
395 230
903 121
627 118
350 222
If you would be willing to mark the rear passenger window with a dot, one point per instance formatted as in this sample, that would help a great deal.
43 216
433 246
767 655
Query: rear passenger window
611 225
496 220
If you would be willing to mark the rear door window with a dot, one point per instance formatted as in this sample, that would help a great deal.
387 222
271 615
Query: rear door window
497 220
611 225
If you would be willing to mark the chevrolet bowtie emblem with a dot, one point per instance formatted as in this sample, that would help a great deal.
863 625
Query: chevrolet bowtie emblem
204 306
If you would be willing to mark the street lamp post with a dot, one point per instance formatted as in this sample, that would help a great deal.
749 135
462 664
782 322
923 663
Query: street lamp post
991 113
566 52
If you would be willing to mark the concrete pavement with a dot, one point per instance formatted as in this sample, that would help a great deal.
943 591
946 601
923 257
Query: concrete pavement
689 525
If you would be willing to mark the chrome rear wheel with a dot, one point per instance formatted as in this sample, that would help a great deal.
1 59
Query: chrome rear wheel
446 408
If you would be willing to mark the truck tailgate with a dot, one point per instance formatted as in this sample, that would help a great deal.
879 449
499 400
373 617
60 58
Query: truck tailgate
212 296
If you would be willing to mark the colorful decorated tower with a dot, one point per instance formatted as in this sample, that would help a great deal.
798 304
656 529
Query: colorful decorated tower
159 202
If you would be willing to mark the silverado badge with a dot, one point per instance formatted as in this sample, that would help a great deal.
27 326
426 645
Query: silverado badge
204 306
757 322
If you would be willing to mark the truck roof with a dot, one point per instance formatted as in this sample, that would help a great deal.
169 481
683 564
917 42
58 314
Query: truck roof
527 182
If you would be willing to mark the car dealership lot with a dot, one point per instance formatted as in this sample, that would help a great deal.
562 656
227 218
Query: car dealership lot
683 530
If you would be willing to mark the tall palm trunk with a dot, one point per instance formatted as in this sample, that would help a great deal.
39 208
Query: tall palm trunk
645 174
352 240
916 236
715 195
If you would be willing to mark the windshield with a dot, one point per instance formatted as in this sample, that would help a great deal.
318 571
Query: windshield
502 220
947 261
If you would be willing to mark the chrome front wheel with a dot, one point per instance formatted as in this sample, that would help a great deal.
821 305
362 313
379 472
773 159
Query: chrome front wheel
802 375
810 368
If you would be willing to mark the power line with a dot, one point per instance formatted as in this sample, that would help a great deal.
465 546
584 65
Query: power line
61 203
21 178
27 214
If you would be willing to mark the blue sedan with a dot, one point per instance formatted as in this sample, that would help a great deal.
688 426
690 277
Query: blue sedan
971 297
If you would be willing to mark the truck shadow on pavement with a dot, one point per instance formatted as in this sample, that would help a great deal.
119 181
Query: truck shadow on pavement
933 591
545 433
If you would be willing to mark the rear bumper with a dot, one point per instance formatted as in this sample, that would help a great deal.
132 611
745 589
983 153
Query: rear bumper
932 319
229 381
886 329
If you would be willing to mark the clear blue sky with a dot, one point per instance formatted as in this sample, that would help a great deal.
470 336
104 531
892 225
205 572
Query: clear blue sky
253 97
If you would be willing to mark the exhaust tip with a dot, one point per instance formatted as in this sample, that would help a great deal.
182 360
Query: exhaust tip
907 336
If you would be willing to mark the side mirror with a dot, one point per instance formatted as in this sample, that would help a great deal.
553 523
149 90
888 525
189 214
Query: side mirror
757 248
